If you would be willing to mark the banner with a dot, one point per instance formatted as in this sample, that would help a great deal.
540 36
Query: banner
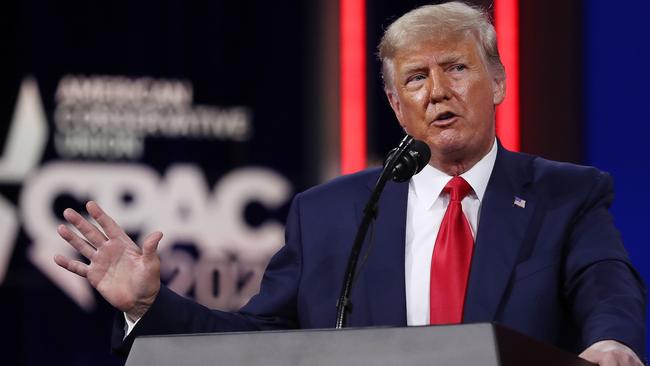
183 118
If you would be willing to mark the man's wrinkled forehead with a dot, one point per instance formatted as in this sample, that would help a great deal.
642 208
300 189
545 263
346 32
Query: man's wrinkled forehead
418 41
406 38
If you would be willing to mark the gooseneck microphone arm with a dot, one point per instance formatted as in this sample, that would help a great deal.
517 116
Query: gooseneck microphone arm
402 162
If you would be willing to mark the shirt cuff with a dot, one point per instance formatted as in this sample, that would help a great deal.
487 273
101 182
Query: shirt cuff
129 324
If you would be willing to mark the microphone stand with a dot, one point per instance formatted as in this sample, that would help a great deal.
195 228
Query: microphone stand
343 305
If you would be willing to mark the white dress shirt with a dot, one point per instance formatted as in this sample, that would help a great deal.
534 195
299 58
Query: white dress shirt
425 210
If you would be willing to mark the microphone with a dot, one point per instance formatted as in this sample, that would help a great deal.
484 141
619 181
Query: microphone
411 161
402 163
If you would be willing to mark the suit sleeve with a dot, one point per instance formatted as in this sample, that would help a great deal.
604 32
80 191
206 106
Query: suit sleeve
606 294
274 307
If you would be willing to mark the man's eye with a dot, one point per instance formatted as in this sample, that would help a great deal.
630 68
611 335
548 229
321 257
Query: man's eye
459 67
417 77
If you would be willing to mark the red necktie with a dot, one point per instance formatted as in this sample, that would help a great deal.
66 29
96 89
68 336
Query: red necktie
451 259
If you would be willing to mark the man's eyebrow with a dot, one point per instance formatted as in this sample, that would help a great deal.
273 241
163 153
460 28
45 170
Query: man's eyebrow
413 67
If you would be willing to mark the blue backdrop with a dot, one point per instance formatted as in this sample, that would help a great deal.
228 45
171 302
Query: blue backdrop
617 111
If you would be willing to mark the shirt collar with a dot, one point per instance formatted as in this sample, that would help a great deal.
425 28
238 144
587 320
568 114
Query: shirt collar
428 183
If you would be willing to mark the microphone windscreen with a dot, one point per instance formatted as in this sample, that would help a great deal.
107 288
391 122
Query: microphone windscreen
411 161
423 154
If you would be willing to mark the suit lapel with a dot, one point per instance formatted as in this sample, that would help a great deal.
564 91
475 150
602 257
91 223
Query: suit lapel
502 230
382 279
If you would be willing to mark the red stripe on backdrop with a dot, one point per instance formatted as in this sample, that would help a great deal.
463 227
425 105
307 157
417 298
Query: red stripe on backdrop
506 21
352 27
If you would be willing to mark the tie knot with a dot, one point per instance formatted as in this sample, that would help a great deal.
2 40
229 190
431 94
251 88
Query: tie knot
458 188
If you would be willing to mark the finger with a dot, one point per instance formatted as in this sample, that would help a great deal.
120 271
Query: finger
111 228
82 246
71 265
150 243
88 230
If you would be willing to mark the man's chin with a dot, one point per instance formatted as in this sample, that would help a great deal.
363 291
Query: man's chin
447 147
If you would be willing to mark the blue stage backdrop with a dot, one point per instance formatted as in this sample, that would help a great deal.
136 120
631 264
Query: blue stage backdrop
618 114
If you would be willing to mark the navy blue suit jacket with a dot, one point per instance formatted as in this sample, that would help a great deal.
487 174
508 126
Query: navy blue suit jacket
555 269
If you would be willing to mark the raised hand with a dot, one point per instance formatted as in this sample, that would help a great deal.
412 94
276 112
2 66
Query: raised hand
127 276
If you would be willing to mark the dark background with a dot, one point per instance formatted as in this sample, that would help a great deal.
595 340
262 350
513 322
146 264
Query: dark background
584 98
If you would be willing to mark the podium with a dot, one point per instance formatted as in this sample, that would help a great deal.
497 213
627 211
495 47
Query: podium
455 345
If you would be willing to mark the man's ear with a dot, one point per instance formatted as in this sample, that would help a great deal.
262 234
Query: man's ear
498 90
393 100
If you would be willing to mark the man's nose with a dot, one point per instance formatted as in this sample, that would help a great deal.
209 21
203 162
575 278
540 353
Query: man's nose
439 88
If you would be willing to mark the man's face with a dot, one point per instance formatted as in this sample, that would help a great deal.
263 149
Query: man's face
443 94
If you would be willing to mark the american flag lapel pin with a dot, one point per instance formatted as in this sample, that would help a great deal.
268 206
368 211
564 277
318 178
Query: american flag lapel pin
519 202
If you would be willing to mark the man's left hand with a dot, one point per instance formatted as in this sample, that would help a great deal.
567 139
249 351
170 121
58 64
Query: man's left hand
611 353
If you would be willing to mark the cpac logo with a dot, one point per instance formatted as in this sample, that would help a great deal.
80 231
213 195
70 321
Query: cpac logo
23 149
231 254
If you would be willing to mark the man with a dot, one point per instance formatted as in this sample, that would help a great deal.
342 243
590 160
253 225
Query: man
545 260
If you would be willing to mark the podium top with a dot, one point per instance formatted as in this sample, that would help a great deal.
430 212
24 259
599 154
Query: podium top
469 344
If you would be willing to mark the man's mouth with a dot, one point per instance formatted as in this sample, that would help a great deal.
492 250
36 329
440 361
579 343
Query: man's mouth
444 119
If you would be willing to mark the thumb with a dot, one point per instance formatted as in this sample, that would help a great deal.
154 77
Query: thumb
590 355
150 243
